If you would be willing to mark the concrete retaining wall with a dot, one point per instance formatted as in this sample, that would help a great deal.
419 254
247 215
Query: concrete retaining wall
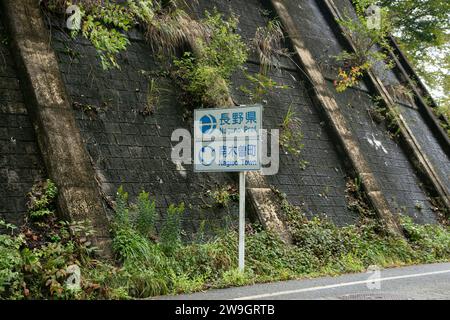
125 147
20 162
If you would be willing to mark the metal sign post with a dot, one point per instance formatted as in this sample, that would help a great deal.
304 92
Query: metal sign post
241 221
228 140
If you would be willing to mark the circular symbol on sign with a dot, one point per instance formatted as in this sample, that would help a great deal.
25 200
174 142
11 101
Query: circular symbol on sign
207 155
208 123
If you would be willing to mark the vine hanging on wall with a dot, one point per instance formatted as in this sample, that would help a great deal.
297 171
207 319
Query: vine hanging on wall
104 23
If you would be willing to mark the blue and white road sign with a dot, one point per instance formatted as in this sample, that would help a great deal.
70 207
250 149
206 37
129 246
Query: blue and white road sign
227 139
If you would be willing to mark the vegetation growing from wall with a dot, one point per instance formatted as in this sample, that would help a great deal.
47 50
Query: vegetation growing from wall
35 264
154 91
224 196
356 198
104 23
206 75
291 136
389 116
204 72
420 27
443 112
268 45
371 46
41 200
203 76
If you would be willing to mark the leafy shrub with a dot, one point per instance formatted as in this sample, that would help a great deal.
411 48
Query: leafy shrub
40 272
206 77
224 195
104 23
146 215
269 257
41 200
38 269
203 82
108 42
432 240
170 235
11 277
225 48
370 46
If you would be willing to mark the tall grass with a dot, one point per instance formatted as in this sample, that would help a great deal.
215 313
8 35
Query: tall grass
320 248
146 266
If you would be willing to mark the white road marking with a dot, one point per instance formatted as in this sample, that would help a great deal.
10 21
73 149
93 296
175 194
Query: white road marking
345 284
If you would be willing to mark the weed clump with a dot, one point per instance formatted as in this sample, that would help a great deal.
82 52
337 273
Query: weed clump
149 264
206 76
41 200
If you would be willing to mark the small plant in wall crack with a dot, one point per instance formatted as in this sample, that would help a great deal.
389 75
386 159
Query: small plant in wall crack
260 86
89 109
356 198
41 200
155 96
268 45
223 196
418 205
389 115
350 74
291 135
392 118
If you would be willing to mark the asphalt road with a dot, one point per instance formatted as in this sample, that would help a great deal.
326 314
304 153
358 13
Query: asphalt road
430 281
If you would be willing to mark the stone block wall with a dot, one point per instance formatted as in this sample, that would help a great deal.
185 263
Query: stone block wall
128 148
407 106
20 161
319 187
393 170
133 150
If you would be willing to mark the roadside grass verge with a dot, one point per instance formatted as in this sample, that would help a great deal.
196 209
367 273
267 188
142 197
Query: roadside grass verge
34 264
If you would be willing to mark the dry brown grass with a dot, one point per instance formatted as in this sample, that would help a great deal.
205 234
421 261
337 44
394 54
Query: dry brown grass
268 43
